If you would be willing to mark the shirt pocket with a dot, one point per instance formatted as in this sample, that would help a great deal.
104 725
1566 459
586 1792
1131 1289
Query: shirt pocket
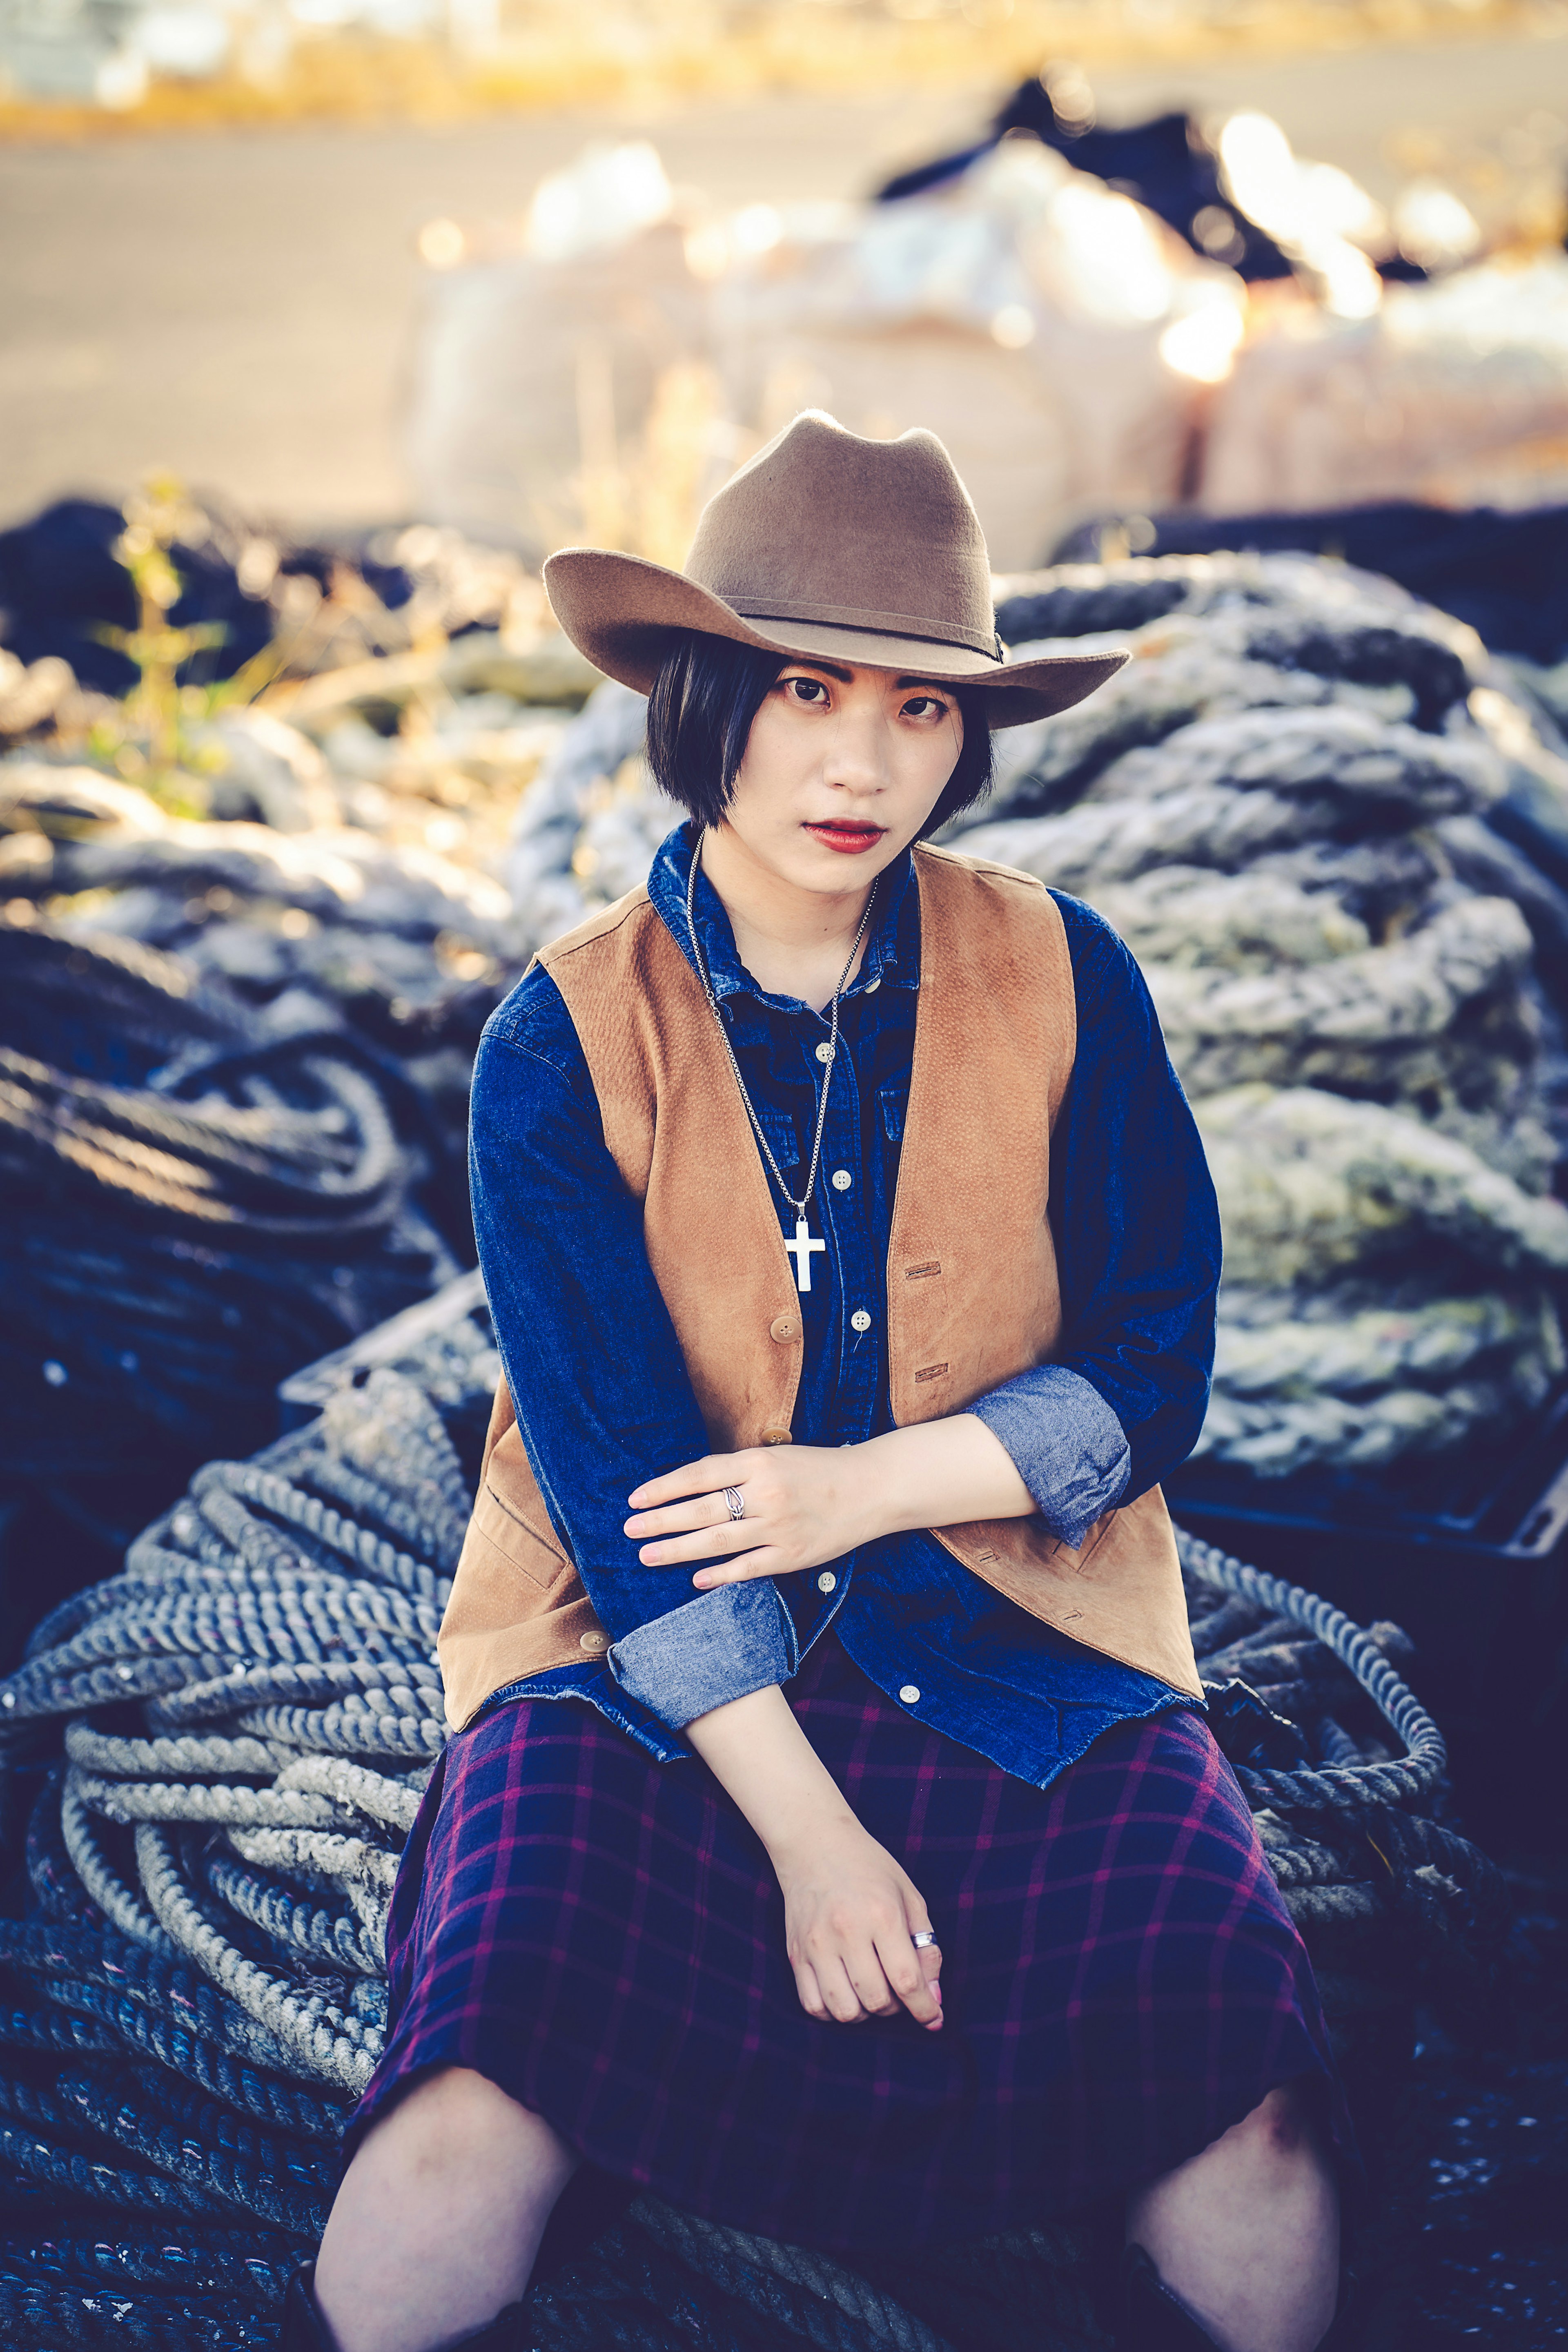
891 1107
778 1129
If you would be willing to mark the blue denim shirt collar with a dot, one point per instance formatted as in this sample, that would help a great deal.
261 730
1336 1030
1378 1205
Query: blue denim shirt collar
892 950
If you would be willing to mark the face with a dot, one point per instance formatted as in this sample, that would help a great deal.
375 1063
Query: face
842 767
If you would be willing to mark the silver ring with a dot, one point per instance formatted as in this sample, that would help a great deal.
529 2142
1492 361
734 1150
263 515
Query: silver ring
921 1938
736 1501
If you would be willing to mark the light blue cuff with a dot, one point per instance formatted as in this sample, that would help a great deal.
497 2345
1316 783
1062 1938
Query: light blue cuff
1069 1447
723 1645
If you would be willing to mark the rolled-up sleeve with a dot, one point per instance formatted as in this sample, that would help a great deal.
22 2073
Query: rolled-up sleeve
1067 1445
603 1399
721 1645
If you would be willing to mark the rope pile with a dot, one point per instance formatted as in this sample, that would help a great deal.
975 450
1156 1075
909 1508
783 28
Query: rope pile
311 921
218 1754
1325 823
193 1204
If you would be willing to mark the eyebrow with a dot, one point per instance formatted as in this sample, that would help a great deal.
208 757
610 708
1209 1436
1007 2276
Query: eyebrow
833 669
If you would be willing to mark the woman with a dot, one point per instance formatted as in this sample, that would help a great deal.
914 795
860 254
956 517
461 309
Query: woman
838 1879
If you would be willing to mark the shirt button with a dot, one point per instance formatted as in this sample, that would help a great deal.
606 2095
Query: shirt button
910 1695
873 983
782 1328
842 1180
595 1642
860 1320
827 1582
825 1052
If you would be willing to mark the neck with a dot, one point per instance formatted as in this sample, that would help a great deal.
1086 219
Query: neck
793 942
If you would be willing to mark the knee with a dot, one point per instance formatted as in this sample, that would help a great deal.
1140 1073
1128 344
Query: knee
1278 2135
457 2120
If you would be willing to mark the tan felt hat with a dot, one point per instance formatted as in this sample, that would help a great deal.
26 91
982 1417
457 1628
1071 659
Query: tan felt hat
828 545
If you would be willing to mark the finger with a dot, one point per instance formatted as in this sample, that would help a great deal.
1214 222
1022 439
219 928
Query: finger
810 1991
873 1992
678 1519
766 1560
723 1536
843 2001
913 1974
708 1476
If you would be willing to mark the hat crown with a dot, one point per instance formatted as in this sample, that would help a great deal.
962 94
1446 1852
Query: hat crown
824 526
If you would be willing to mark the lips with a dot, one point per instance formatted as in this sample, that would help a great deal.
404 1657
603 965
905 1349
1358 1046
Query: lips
844 834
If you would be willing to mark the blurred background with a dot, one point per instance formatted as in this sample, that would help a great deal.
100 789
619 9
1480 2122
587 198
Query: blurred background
321 322
284 249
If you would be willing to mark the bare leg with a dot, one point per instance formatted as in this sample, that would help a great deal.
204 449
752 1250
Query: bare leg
439 2218
1247 2233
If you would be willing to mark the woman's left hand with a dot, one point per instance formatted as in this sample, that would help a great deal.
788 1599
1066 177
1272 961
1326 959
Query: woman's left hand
804 1505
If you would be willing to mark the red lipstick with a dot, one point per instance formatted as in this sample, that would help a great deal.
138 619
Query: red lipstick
846 834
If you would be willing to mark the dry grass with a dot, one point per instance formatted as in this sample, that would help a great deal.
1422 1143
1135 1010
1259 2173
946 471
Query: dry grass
664 49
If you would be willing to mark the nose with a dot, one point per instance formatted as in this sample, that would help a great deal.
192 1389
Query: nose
855 760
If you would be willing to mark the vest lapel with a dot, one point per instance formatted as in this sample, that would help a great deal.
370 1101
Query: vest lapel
972 1293
676 1128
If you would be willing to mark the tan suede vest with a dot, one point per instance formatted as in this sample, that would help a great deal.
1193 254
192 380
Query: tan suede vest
972 1295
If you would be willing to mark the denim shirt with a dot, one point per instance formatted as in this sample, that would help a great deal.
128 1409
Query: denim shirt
604 1400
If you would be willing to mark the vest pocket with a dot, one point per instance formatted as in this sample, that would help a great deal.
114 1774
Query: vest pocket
494 1529
510 1520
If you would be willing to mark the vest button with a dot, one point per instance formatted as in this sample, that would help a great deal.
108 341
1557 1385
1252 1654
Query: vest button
777 1434
595 1642
783 1326
910 1694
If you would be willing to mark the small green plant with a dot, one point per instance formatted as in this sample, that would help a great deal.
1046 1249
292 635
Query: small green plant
151 743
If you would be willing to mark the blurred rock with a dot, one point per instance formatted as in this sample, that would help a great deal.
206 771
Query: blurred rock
271 772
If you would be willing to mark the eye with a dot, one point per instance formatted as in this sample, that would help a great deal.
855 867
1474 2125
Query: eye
808 690
926 707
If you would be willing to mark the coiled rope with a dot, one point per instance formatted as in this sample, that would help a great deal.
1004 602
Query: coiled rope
1341 1784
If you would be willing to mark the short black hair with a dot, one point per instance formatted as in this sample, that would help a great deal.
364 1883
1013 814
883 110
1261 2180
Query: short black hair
709 691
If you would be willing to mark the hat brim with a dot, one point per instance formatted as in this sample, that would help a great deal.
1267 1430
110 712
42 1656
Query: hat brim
627 614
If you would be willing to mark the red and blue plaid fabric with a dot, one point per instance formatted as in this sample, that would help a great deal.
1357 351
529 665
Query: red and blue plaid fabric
603 1937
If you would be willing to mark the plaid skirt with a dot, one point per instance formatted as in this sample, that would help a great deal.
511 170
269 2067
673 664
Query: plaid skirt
603 1937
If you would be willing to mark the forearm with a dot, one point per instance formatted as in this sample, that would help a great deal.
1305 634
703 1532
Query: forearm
938 1474
807 1504
756 1751
851 1909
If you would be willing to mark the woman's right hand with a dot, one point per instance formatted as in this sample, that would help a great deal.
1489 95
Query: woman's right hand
850 1913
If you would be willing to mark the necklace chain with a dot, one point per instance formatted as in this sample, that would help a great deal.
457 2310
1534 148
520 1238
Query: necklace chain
801 1205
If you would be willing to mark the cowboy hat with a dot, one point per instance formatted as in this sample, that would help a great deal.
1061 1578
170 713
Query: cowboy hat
835 547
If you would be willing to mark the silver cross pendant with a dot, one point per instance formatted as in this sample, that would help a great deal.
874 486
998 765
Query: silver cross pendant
800 1250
